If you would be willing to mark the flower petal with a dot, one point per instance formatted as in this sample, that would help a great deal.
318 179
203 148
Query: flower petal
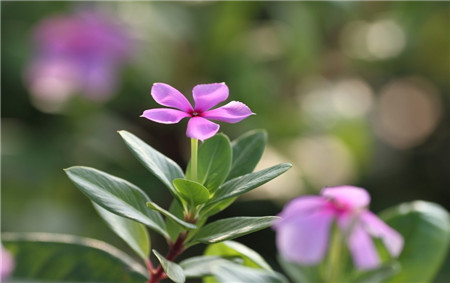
201 129
166 95
232 112
377 228
350 196
304 239
362 248
209 95
300 207
164 116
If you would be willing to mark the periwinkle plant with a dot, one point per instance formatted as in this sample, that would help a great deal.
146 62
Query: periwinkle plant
217 173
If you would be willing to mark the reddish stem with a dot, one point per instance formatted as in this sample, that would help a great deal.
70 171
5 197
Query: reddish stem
175 249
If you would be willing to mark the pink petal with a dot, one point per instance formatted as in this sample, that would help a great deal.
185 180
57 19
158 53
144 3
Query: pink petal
164 116
166 95
209 95
232 112
201 129
377 228
348 196
300 207
304 239
362 248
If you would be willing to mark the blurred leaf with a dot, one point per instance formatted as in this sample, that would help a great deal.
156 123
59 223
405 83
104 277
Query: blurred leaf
214 161
243 184
132 232
377 275
300 273
425 227
173 270
235 273
117 196
247 151
164 168
64 258
230 228
166 213
192 192
230 249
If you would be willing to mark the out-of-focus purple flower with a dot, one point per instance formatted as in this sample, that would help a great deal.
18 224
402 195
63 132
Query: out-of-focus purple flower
205 97
303 231
6 263
79 53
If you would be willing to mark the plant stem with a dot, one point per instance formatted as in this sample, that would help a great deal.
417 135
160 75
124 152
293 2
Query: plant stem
194 153
175 249
334 269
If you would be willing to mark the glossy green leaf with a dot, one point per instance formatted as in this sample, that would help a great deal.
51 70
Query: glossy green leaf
243 184
425 228
172 227
164 168
166 213
192 192
214 161
200 266
235 273
173 270
217 207
247 151
232 249
133 233
63 258
116 195
230 228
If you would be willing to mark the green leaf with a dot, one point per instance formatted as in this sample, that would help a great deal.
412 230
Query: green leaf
132 232
230 228
192 192
164 168
247 151
117 196
214 161
231 249
235 273
243 184
216 207
173 270
300 273
177 220
64 258
425 227
173 228
200 266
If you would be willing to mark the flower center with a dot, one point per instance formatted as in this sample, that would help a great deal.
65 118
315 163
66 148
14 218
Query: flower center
195 113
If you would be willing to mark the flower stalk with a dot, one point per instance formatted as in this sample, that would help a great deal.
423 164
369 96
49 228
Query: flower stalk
194 156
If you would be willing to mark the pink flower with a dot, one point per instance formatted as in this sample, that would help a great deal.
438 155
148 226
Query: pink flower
205 97
304 228
77 53
6 263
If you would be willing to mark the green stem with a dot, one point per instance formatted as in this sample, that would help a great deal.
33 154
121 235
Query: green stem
335 262
194 153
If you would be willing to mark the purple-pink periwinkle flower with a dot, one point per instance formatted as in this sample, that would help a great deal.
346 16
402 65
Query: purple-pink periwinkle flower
205 97
78 53
6 263
303 232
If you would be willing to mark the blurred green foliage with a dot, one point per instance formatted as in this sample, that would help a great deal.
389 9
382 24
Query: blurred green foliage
349 92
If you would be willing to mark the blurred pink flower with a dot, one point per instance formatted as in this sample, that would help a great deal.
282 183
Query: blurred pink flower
205 97
6 263
79 53
303 231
